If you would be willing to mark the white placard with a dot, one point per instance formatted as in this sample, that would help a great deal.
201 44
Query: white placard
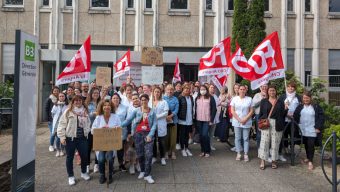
152 75
135 72
27 105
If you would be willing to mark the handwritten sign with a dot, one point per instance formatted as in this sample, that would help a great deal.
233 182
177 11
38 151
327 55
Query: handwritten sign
152 56
103 76
107 139
152 75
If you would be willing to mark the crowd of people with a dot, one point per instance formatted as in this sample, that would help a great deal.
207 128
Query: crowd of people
159 120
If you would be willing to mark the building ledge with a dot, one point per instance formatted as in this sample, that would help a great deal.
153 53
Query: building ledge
333 15
210 13
267 14
13 9
148 12
99 11
229 13
45 10
130 11
291 15
177 12
309 15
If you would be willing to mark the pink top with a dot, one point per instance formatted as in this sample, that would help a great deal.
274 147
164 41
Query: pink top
203 109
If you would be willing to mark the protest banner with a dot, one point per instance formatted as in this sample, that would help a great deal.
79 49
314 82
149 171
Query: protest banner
152 75
103 76
105 139
152 56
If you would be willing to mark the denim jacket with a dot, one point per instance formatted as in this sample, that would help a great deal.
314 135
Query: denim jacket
136 116
173 106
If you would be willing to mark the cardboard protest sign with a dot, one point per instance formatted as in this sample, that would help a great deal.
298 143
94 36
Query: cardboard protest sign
103 76
152 56
152 75
105 139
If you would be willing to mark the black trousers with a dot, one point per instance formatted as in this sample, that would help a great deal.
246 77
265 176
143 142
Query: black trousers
90 142
184 131
161 146
120 154
309 143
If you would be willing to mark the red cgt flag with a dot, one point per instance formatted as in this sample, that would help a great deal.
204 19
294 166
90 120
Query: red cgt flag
239 64
177 73
122 65
215 62
79 68
219 80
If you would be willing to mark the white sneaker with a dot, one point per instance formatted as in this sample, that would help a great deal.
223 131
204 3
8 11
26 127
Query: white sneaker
57 154
88 169
163 162
191 141
154 160
71 180
178 147
212 148
188 152
85 176
141 175
233 149
95 168
132 169
51 148
61 153
184 153
149 179
138 167
282 158
269 159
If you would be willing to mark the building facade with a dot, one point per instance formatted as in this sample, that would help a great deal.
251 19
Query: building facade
186 29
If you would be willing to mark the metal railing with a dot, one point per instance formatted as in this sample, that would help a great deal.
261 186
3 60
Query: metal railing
335 182
332 84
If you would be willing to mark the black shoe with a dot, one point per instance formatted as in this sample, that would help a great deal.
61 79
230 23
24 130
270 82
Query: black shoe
102 179
122 168
110 179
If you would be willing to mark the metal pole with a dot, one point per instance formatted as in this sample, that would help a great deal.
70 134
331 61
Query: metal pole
292 137
334 168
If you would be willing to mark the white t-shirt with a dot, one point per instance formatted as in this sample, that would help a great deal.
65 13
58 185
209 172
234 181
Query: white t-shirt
307 121
242 107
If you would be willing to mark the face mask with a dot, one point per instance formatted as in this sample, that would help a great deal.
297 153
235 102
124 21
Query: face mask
203 92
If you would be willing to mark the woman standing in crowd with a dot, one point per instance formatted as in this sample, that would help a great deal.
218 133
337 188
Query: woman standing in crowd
121 111
212 125
256 104
92 102
143 129
69 93
73 129
272 109
310 118
205 108
185 119
127 97
222 129
242 112
77 92
105 119
50 102
172 120
161 109
57 110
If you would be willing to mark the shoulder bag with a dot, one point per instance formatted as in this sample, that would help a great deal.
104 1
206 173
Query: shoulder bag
264 123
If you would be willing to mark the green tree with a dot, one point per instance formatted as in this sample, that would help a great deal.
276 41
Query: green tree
240 24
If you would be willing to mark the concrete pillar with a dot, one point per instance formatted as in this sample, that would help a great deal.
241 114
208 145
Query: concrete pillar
139 26
316 38
75 22
284 32
217 21
36 19
299 41
122 22
201 23
155 31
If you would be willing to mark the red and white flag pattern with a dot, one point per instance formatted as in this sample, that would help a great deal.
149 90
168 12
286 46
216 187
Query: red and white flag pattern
79 68
239 63
219 80
215 62
122 65
177 73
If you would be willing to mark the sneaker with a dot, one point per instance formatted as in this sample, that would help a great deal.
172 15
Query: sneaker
282 158
110 179
233 149
173 155
51 148
246 158
85 176
163 162
88 169
154 160
71 180
57 154
184 153
191 141
269 160
141 175
122 168
95 168
166 155
102 179
178 147
238 157
188 152
138 167
212 148
132 169
149 179
61 153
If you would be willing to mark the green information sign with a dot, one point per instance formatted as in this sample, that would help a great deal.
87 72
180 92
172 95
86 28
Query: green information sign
29 50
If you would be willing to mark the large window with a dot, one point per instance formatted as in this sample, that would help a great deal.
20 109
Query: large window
208 4
46 3
334 5
100 3
230 4
308 65
307 6
148 4
266 5
334 67
179 4
290 59
14 2
68 3
130 4
290 5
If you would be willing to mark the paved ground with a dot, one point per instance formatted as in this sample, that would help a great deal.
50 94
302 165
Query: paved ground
220 172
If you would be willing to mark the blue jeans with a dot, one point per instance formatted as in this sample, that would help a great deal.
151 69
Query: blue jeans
258 132
144 152
203 127
52 135
102 157
71 145
239 132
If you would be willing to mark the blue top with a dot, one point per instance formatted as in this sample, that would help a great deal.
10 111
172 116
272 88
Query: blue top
173 106
121 111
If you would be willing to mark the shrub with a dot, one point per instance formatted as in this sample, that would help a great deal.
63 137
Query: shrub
6 89
327 133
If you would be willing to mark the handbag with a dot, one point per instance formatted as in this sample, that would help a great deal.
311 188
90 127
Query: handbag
264 123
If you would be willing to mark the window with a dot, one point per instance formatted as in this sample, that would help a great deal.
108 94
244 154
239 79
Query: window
307 6
208 4
100 3
290 5
179 4
130 4
14 2
230 4
46 3
290 59
334 67
266 5
148 4
308 65
334 5
68 3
